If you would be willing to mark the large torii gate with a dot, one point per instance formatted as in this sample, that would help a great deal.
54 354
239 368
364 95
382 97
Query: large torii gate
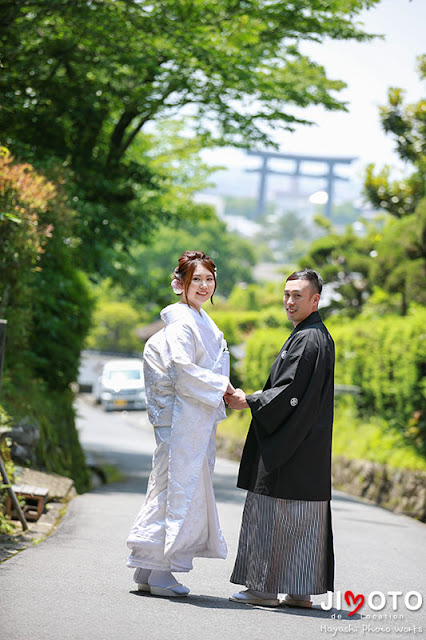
329 176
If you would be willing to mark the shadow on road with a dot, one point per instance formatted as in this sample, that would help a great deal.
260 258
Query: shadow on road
213 602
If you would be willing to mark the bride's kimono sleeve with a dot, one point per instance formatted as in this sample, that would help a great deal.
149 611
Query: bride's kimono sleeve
191 380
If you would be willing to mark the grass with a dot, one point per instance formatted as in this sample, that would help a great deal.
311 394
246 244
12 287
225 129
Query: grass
370 439
373 439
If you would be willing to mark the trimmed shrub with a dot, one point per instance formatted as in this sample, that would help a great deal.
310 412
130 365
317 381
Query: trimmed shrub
385 358
236 325
114 328
262 348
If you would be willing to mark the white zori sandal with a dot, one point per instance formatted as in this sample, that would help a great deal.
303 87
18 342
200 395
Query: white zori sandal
163 583
255 598
174 591
297 601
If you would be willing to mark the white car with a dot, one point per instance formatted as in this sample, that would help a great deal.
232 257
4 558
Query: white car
121 385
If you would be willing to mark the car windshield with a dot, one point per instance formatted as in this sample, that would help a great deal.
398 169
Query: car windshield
126 374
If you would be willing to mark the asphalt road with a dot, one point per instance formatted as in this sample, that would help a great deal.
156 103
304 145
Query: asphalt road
75 584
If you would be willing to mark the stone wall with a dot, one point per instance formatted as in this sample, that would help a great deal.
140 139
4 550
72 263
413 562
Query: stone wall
399 490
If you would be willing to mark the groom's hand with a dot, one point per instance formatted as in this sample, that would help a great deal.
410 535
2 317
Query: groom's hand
237 400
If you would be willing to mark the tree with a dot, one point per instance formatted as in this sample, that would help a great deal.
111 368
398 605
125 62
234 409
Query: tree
145 274
287 235
24 195
390 256
46 302
344 260
43 295
114 326
399 264
81 79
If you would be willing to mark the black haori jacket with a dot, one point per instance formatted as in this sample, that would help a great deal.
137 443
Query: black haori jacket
287 453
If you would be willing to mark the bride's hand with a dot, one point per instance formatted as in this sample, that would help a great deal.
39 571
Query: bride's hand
230 389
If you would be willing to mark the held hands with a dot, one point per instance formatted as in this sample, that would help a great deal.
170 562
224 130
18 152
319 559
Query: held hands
235 398
229 391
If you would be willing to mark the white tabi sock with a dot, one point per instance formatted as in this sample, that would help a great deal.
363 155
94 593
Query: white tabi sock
162 579
141 575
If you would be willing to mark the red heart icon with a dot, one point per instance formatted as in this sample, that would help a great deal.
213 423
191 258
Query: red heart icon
359 597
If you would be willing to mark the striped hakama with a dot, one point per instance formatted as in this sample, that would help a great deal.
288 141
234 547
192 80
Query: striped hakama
284 546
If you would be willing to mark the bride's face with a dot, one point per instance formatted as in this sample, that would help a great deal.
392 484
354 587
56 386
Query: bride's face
201 288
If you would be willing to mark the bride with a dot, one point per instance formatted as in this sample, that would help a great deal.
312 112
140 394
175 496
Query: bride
186 369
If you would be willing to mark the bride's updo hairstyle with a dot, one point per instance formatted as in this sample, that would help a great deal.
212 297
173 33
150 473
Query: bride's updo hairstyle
187 263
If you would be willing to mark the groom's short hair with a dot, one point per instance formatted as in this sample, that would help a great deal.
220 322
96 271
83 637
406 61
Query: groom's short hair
308 274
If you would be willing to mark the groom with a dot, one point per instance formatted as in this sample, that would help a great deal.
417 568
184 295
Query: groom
286 541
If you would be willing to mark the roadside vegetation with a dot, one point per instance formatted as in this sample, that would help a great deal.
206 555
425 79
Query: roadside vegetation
382 359
98 171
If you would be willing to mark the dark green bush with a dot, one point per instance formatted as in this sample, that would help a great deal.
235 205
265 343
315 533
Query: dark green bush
46 302
62 310
385 358
59 449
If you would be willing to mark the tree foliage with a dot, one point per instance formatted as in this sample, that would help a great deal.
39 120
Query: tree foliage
46 302
24 197
287 234
344 261
390 255
407 123
114 327
80 80
400 252
144 276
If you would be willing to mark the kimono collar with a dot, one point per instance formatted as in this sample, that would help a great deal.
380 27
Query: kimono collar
313 318
177 311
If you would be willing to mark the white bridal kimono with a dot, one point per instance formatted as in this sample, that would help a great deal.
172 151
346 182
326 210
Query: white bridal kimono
186 368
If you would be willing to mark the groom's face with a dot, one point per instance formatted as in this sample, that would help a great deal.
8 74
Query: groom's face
300 300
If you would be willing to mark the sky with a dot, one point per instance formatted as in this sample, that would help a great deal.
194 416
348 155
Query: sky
369 69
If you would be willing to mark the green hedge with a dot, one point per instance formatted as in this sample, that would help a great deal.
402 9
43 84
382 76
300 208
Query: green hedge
236 325
385 358
262 348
